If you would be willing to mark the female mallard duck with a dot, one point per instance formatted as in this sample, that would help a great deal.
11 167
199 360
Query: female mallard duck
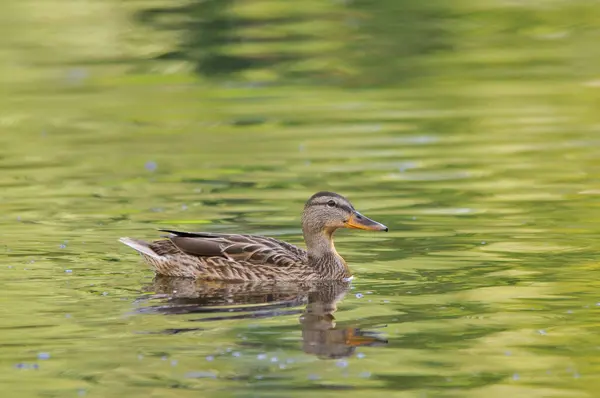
232 257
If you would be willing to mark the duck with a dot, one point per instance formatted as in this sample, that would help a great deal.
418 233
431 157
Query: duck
244 258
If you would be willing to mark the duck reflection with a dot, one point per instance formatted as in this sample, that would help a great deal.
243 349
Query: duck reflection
321 336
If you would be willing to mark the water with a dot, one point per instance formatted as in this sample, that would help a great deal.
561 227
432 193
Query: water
470 130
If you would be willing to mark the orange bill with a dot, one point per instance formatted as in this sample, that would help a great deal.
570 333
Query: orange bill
359 221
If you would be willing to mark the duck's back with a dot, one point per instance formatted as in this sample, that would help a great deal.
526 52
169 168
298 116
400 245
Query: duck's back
230 257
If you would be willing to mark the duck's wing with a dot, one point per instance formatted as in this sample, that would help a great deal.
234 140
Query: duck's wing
251 249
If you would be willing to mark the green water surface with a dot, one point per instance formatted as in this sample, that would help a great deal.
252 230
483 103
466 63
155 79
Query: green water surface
471 129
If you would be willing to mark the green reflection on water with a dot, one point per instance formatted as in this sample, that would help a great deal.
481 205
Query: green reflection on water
469 129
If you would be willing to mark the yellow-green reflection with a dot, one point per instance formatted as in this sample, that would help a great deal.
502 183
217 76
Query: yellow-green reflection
470 129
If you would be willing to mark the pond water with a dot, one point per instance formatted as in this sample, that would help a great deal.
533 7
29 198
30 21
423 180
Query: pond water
470 130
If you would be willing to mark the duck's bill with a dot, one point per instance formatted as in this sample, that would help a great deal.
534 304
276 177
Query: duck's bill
359 221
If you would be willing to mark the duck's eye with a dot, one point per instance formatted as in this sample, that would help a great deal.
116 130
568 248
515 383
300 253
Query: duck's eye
331 203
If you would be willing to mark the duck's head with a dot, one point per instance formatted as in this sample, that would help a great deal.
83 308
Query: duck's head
325 212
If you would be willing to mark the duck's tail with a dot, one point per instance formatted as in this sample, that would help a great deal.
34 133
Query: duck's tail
140 246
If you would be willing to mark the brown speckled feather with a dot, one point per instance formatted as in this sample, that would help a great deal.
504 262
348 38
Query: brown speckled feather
229 257
259 250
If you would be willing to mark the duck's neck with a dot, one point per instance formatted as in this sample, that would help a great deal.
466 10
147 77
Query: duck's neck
322 255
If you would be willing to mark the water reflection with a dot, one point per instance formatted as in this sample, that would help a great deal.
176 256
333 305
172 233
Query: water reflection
209 27
221 38
476 138
320 334
220 301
